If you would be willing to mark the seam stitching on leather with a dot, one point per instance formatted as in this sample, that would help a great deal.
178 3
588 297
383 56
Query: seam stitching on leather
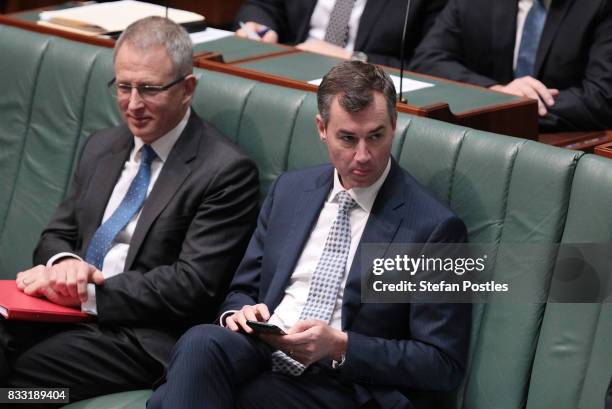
590 355
242 109
25 138
78 135
290 142
403 136
454 167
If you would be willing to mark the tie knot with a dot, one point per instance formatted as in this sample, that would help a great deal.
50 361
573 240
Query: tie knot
345 201
147 154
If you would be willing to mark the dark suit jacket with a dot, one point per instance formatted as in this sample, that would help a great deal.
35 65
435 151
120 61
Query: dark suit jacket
473 41
380 28
609 396
193 228
393 349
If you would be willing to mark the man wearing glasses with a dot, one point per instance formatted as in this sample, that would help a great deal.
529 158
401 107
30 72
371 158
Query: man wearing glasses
158 215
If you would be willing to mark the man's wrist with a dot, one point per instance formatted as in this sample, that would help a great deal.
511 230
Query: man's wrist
61 256
340 347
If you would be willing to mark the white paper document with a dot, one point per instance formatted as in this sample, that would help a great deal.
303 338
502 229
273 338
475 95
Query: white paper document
113 16
210 34
407 84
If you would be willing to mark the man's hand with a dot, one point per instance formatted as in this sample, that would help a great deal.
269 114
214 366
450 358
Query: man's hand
69 278
310 341
238 320
36 275
323 47
64 283
531 88
35 282
255 29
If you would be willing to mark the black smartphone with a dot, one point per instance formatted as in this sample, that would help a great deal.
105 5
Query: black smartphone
266 328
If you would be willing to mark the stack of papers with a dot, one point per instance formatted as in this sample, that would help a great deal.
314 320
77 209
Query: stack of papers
112 17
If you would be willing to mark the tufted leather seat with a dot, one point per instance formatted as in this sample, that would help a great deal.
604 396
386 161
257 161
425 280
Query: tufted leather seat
507 190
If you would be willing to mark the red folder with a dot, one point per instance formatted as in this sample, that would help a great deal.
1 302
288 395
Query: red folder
15 305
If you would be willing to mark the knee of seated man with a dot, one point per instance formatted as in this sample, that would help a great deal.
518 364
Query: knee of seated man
206 338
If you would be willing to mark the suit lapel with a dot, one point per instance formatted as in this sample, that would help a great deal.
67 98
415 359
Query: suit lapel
304 218
381 228
503 37
107 172
173 174
304 28
369 19
556 14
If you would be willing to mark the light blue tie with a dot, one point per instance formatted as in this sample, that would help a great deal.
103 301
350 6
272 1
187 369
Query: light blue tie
532 31
132 202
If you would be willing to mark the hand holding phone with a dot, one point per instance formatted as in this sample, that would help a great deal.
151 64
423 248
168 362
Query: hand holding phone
265 328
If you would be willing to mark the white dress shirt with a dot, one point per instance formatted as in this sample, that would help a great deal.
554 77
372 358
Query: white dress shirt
320 20
287 313
523 9
114 261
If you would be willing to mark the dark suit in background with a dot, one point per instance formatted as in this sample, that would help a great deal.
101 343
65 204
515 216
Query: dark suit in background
396 352
193 229
609 396
473 41
380 28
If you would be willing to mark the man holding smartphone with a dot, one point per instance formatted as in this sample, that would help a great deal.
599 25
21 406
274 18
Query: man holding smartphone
302 274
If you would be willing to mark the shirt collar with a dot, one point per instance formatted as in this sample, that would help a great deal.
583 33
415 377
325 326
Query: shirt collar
364 196
163 145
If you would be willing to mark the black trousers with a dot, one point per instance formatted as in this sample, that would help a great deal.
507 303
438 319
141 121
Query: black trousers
214 368
89 359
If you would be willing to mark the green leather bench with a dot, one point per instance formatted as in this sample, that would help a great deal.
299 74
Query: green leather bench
507 190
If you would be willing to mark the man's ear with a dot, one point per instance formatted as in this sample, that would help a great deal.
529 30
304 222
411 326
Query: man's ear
321 128
189 85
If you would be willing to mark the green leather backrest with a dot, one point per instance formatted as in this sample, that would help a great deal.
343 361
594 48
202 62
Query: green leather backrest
507 190
19 68
55 100
273 125
573 363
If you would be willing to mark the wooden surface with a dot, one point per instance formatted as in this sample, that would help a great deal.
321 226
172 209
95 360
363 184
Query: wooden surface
582 141
605 149
517 118
32 26
12 6
218 13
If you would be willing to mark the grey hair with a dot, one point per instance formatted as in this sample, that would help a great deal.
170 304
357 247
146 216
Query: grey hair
154 30
355 82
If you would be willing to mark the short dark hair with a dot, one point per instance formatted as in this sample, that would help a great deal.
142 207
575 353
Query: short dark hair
355 83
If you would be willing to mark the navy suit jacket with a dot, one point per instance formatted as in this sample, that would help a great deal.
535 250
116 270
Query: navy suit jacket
380 28
394 350
473 41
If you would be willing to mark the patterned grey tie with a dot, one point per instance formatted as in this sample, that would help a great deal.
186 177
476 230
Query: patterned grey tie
337 31
326 280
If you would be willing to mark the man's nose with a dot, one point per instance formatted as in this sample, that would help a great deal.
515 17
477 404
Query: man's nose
362 152
135 100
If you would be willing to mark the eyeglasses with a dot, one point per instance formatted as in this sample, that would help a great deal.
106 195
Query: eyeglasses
146 92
